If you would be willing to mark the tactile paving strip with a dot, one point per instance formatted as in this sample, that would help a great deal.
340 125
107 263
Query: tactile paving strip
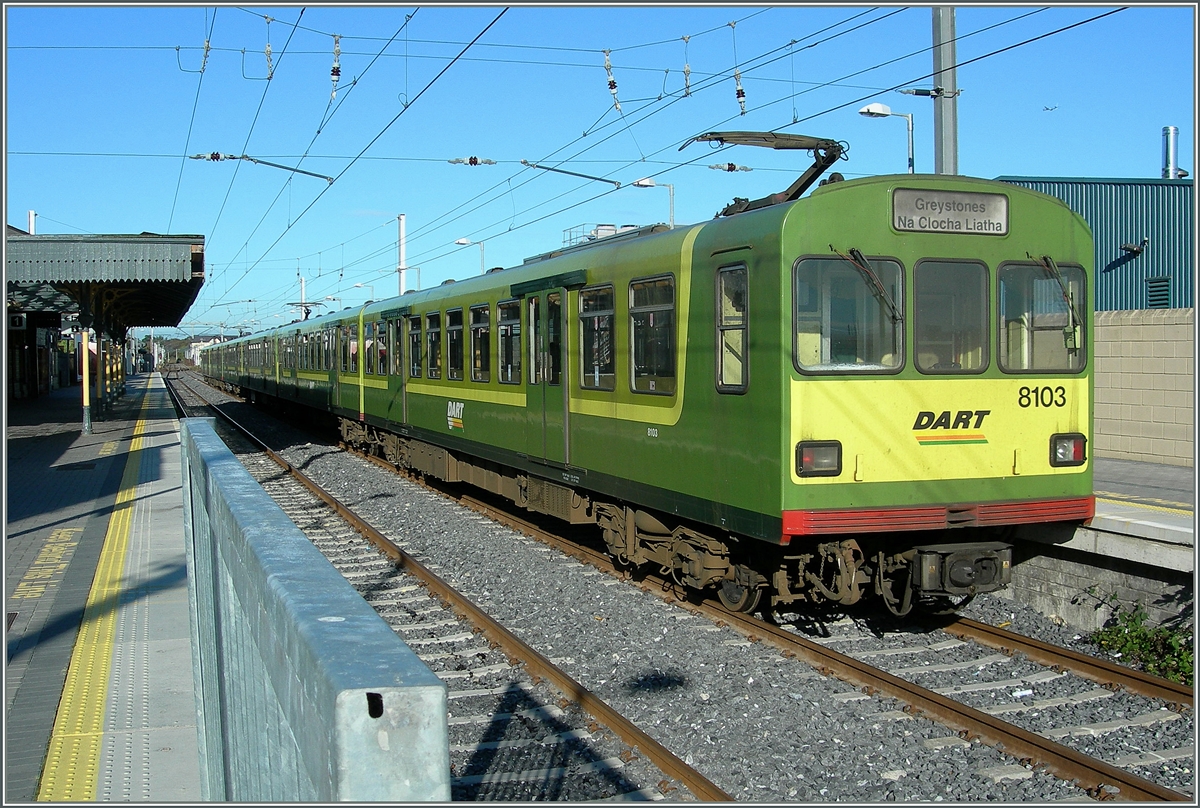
72 769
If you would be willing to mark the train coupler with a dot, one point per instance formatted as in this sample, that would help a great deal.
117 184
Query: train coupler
962 569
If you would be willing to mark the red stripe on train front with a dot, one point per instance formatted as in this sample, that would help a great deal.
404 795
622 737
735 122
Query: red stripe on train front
936 517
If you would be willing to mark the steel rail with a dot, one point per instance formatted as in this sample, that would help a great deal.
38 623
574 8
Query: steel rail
537 664
1098 670
1095 776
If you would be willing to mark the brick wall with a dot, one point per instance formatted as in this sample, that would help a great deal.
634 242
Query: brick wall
1056 581
1144 385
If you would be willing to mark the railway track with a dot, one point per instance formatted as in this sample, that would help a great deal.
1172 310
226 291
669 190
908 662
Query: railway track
1100 778
1032 750
512 738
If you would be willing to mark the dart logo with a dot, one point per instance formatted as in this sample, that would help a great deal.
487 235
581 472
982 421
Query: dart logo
960 427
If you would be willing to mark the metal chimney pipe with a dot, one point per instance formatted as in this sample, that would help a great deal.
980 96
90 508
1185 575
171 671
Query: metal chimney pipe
1170 136
32 217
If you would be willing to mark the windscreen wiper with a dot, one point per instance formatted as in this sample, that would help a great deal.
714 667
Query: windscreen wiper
1071 333
859 262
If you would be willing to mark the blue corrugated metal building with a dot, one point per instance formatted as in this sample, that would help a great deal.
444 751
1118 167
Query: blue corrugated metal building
1144 230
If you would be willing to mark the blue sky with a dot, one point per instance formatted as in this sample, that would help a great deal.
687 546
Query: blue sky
105 105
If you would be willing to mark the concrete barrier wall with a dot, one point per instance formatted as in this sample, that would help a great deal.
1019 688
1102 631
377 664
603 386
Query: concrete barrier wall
1145 385
303 692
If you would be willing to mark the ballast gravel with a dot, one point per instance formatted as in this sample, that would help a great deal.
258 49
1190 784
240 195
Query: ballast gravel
761 726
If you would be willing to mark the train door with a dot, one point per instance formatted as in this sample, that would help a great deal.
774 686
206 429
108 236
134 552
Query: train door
336 340
272 374
546 393
295 350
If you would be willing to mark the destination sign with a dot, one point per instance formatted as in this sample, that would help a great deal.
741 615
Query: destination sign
932 211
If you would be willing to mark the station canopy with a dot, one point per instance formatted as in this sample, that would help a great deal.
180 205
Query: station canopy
113 282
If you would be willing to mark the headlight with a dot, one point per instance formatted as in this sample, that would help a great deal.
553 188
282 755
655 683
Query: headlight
1068 449
819 458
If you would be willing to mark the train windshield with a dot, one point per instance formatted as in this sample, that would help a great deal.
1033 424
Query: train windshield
1040 328
951 307
847 319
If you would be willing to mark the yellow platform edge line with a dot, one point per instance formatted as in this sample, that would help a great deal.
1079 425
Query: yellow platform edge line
1146 506
71 770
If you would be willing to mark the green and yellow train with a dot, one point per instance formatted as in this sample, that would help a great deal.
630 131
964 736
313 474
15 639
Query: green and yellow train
857 392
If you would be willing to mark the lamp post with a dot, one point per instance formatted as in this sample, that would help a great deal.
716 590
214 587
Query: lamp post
878 110
648 182
366 286
466 242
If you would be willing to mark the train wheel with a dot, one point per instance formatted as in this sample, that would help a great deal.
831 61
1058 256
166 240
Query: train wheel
738 598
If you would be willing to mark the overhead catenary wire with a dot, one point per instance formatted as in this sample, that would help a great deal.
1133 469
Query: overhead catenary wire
250 133
843 105
717 79
517 227
381 133
712 81
857 100
326 117
187 141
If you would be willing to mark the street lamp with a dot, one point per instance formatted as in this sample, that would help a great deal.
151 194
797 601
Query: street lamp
878 110
367 286
466 242
648 182
338 299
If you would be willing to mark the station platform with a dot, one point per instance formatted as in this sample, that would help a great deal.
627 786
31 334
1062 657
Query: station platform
99 696
99 703
1144 513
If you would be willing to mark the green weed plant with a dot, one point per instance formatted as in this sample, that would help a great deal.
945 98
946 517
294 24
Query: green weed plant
1158 650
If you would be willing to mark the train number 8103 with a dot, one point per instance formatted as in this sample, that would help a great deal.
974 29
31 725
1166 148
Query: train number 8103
1042 397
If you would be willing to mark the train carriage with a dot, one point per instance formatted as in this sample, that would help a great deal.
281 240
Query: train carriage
857 392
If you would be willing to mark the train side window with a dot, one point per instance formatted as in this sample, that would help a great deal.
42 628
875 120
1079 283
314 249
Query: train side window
395 343
847 317
433 343
597 363
381 350
732 328
1041 321
554 338
481 343
509 328
535 342
652 332
370 348
950 332
454 344
414 346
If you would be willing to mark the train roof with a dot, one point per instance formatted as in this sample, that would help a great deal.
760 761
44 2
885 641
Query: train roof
567 265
